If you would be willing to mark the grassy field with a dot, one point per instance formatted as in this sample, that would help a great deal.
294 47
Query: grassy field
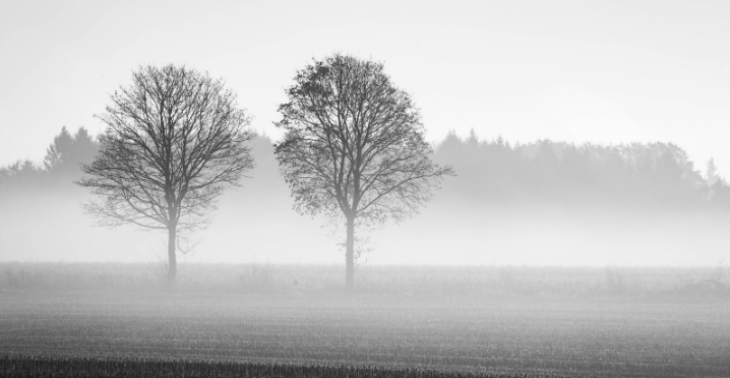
475 281
514 321
35 367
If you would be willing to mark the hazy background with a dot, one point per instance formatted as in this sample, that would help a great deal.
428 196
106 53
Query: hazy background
602 72
542 203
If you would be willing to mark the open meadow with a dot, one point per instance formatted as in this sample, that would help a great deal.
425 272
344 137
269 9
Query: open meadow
597 322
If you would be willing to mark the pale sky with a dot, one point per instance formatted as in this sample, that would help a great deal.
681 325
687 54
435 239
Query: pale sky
601 71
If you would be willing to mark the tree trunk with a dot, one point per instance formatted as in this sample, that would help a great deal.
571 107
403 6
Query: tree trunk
350 255
171 257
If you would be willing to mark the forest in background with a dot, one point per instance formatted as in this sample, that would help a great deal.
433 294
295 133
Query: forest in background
636 174
488 171
503 193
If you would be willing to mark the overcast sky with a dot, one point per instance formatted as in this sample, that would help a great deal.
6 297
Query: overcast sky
601 71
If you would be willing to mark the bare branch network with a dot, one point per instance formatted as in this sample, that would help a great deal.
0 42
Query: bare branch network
175 139
354 147
354 143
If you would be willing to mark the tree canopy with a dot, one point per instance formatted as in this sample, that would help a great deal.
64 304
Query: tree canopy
354 146
175 139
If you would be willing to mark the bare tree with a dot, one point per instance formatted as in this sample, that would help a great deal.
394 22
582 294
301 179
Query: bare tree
174 140
354 147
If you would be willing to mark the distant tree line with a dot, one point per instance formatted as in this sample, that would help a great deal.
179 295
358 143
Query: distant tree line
654 174
60 167
488 171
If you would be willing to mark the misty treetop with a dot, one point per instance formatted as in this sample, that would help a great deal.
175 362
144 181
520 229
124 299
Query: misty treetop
354 142
61 165
69 153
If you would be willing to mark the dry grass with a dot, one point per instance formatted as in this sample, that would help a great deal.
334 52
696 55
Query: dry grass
375 280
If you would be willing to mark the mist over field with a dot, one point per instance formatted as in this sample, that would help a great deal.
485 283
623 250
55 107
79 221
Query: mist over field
372 189
477 218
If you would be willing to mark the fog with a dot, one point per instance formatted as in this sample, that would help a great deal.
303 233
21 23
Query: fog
501 189
607 72
462 225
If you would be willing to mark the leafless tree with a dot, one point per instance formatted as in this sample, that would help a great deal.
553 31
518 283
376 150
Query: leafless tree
175 139
354 147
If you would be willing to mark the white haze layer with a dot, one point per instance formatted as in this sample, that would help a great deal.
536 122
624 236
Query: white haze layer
251 227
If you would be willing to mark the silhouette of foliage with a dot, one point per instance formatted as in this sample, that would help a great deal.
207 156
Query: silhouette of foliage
649 174
61 165
653 174
67 154
175 139
21 175
354 146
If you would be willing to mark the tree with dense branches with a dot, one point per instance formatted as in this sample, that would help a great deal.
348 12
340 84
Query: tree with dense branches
354 146
175 139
